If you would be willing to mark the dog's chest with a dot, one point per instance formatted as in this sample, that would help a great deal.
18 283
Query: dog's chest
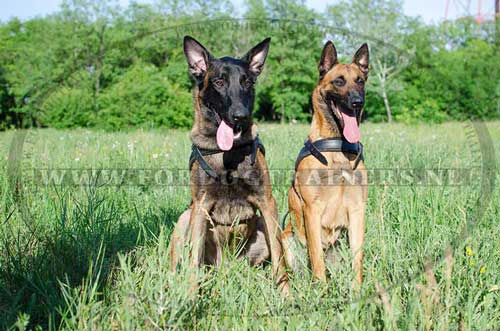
238 180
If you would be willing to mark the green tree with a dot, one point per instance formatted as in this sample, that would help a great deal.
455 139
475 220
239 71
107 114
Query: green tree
144 96
290 75
382 24
68 69
92 23
453 74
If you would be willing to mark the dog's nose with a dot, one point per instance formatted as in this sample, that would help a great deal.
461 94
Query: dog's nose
357 102
239 117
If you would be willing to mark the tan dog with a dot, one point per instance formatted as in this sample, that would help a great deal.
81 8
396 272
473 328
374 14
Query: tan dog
336 198
229 176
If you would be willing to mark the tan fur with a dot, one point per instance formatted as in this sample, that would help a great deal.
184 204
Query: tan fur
319 212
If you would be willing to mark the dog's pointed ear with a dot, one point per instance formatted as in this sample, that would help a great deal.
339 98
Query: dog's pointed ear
362 59
328 59
197 57
256 57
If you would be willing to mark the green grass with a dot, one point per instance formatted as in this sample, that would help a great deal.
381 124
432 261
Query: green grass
95 257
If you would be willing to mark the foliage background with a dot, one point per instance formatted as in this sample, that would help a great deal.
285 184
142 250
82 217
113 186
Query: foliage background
96 64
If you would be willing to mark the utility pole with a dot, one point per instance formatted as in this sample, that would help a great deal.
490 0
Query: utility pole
462 8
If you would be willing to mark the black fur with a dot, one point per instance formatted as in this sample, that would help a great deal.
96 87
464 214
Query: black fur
226 85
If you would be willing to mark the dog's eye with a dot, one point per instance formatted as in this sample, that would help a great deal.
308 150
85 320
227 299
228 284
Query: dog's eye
359 81
339 82
219 83
247 83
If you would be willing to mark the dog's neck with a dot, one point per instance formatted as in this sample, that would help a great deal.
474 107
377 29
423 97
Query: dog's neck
204 131
323 123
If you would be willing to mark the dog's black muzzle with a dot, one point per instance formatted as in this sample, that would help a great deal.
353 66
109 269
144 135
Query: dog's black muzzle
356 101
240 119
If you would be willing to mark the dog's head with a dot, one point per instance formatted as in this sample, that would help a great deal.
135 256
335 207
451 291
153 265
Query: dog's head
226 87
342 88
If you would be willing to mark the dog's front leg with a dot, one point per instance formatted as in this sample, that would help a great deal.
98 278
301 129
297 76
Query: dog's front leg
356 239
179 238
198 226
312 222
272 231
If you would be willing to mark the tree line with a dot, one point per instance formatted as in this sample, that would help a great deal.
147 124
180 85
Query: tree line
96 64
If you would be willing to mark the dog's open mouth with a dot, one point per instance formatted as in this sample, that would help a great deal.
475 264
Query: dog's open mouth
349 123
226 135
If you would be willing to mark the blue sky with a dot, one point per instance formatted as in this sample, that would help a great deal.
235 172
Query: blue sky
430 10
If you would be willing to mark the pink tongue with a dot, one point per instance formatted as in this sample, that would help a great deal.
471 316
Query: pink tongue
351 130
225 136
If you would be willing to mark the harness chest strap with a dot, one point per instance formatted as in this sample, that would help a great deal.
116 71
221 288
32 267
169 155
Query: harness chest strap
197 154
329 145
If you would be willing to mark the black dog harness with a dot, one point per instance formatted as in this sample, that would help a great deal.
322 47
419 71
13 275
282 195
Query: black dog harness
329 145
326 145
197 154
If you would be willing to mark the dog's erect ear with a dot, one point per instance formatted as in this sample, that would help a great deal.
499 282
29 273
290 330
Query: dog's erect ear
328 59
362 59
197 57
256 57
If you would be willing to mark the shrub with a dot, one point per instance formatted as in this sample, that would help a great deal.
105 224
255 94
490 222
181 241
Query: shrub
67 108
144 96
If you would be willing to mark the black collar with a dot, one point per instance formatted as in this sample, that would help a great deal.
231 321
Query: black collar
197 154
329 145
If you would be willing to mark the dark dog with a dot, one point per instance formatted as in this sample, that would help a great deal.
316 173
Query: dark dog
320 211
229 175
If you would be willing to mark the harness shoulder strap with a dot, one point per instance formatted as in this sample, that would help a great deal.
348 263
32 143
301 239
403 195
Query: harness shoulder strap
257 144
197 155
329 145
312 149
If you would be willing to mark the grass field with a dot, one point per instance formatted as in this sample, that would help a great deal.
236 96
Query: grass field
94 257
